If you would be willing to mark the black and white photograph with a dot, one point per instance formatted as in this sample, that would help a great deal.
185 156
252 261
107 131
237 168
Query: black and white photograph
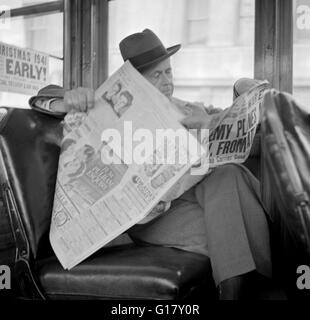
224 214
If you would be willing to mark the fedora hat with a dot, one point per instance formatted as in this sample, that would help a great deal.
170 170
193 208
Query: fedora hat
144 49
51 91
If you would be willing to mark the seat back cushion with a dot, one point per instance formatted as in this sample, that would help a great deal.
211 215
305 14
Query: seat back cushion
286 180
29 145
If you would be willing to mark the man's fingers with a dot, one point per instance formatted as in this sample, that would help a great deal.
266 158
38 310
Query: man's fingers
68 102
90 94
193 110
71 100
77 102
193 122
159 207
80 99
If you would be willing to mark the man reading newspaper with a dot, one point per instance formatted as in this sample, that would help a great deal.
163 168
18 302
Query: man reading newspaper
222 216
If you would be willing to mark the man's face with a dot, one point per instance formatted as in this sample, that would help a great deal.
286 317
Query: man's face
73 166
121 102
116 88
161 77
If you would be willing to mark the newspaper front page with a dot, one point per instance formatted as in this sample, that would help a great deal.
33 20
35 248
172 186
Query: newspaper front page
107 178
231 139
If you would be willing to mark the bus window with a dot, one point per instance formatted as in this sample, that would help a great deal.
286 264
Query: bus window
36 25
301 49
217 42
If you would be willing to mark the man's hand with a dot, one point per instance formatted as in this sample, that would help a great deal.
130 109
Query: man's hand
211 110
159 209
80 99
201 118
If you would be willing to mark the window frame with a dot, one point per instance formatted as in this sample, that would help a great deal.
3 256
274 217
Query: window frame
38 9
85 43
273 58
86 58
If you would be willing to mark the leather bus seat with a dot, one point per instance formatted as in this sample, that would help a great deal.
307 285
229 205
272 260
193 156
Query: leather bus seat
29 145
286 183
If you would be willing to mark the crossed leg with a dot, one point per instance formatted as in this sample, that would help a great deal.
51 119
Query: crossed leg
223 218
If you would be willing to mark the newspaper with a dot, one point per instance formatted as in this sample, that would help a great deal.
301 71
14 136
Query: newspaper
229 138
99 192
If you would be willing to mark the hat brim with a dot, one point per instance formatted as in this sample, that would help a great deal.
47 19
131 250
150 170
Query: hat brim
33 99
170 51
56 93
